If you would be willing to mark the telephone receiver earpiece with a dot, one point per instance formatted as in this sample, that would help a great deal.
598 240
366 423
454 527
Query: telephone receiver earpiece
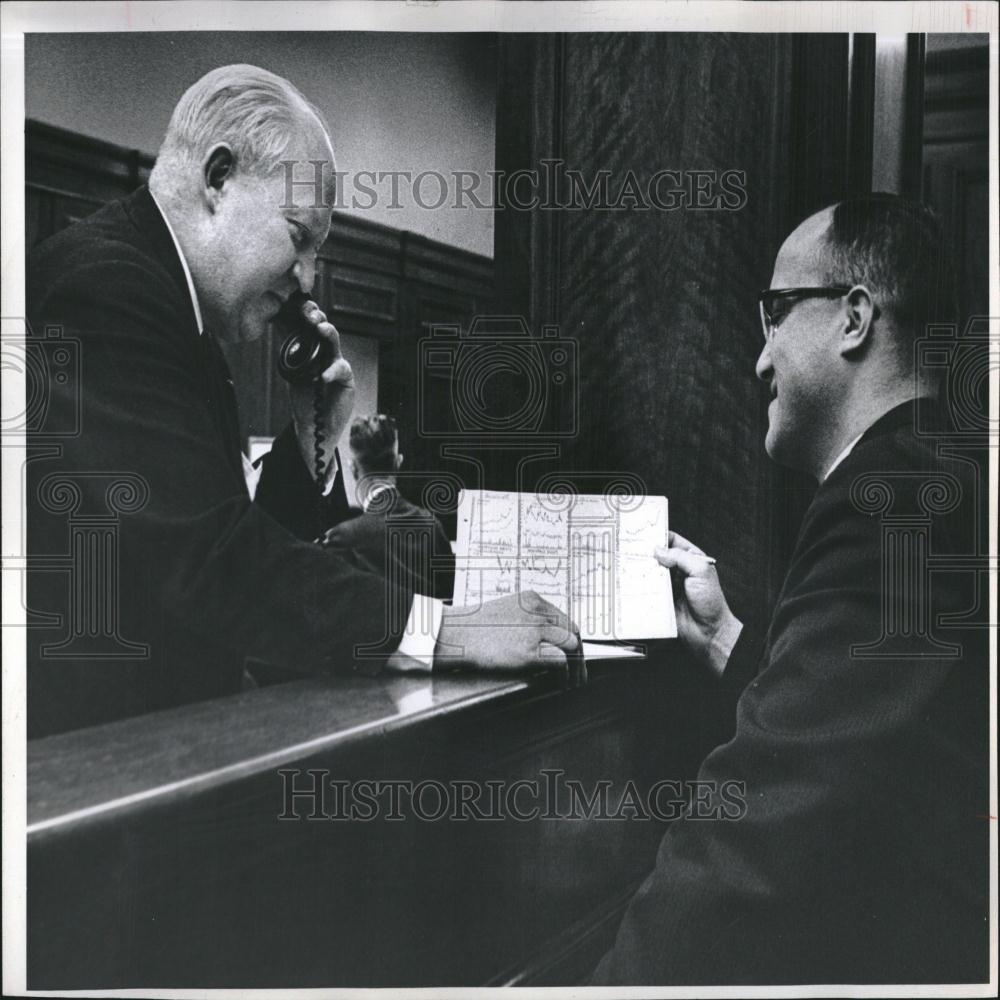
304 355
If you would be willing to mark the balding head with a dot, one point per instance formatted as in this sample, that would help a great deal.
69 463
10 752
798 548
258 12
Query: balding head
805 253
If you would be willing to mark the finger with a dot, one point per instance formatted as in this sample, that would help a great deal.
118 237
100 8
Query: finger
552 614
567 639
530 601
340 371
312 312
689 563
551 654
329 331
677 541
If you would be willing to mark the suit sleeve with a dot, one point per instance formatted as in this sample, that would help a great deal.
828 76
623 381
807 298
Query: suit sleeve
357 538
732 900
414 552
744 661
199 558
287 491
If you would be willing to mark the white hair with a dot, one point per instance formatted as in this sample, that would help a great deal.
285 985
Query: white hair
253 111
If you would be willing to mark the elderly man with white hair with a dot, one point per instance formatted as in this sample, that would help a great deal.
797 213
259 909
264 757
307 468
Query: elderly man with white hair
212 571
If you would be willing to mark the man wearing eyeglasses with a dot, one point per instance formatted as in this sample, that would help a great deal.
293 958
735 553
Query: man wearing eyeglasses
861 729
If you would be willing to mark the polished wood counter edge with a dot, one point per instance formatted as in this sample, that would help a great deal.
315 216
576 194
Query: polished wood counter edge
94 774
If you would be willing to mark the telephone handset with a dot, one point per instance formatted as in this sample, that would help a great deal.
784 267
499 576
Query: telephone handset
302 358
304 354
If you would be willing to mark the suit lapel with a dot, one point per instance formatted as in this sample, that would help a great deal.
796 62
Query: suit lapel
148 221
146 217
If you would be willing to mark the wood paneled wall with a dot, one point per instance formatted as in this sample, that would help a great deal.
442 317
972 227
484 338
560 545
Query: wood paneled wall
955 163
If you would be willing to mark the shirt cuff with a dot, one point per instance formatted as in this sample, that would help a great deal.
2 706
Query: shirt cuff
421 633
332 471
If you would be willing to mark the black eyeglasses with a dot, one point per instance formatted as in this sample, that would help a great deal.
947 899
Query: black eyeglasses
777 303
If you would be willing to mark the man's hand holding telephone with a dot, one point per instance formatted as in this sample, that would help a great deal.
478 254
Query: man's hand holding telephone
320 379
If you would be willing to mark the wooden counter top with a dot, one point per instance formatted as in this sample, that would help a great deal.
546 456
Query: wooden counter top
91 774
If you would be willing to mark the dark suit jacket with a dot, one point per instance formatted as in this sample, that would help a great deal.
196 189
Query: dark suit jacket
401 541
863 852
189 568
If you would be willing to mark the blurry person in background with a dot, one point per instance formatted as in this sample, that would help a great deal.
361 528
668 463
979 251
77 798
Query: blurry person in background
396 538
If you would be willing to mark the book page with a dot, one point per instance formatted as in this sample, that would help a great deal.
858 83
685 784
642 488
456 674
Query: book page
589 555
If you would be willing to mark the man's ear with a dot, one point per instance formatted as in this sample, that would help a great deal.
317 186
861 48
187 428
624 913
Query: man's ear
354 470
219 165
859 315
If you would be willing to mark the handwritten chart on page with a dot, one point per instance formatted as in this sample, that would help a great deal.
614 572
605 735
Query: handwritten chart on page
589 555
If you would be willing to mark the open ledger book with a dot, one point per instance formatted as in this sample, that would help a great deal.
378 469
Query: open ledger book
589 555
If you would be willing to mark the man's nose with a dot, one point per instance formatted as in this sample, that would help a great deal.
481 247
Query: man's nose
304 270
764 368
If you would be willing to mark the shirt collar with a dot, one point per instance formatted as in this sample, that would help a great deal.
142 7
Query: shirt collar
184 265
840 458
